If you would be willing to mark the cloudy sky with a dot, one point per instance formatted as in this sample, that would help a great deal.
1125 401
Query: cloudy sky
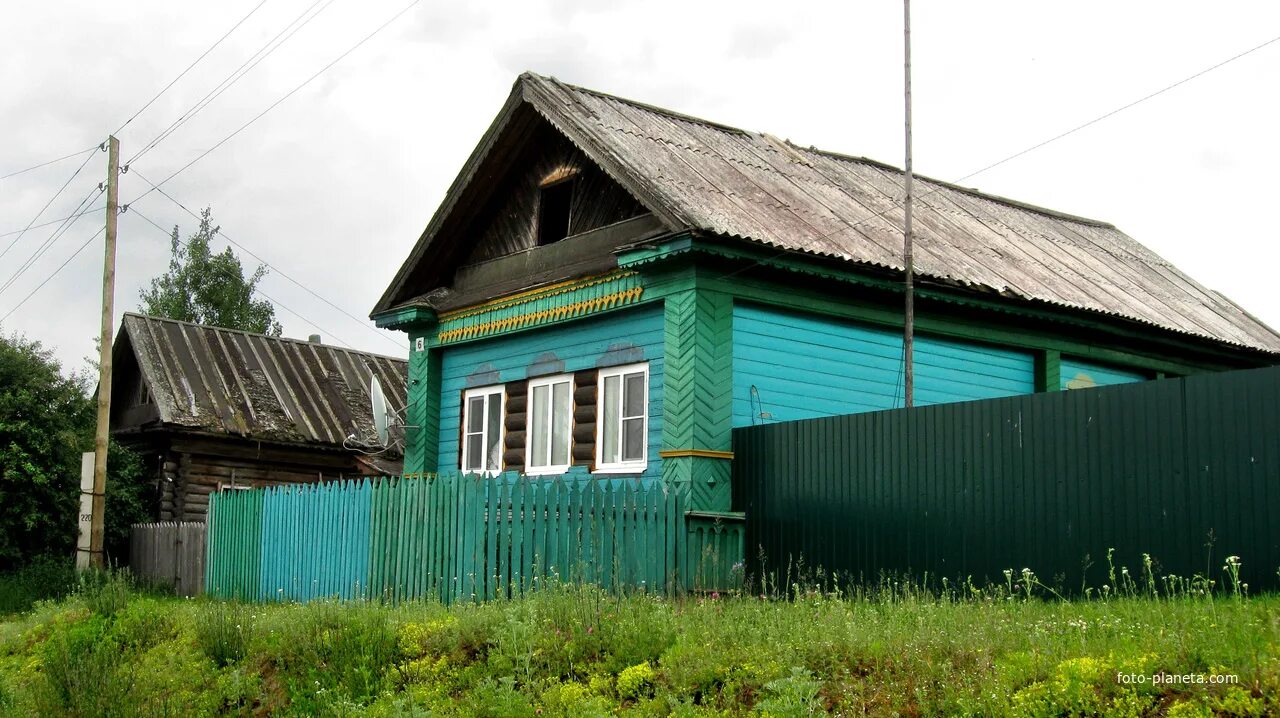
333 185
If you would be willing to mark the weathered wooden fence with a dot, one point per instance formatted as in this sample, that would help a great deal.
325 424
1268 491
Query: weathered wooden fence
169 552
1049 482
450 537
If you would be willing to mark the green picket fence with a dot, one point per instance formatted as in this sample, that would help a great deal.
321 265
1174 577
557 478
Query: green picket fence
447 537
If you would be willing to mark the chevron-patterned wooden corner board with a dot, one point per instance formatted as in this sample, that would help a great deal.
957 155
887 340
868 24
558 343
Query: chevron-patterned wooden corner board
567 300
422 435
697 395
702 482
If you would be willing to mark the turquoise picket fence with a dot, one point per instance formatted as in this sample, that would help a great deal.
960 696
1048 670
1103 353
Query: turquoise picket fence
447 537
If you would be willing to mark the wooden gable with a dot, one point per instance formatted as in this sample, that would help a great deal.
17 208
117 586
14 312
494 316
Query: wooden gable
509 223
133 404
483 240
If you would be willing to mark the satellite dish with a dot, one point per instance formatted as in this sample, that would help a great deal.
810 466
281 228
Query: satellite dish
379 405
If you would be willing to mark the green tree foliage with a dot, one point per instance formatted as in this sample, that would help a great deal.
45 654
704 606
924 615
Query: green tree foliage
46 420
208 288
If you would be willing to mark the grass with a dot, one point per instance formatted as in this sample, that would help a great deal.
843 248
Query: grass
44 579
894 649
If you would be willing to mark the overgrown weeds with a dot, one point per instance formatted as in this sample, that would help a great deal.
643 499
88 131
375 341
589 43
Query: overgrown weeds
45 579
892 647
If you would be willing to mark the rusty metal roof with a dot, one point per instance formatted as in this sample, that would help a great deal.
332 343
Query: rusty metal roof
700 175
230 382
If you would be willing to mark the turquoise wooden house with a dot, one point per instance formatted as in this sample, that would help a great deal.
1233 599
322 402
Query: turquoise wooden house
609 288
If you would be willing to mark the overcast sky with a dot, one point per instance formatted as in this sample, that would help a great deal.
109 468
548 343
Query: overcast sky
334 185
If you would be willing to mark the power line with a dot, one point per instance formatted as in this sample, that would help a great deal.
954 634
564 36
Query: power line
256 290
193 64
1120 109
286 96
47 163
46 205
53 221
896 203
362 322
53 238
234 77
54 273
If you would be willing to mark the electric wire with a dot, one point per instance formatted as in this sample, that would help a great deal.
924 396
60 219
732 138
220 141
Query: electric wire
234 77
46 205
284 97
53 221
256 290
1120 109
193 64
48 162
55 272
53 239
896 203
362 322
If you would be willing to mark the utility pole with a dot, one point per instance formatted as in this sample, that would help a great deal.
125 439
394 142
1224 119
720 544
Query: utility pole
908 325
100 440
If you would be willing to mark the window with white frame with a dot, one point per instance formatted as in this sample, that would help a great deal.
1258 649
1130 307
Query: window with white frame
482 430
550 425
622 418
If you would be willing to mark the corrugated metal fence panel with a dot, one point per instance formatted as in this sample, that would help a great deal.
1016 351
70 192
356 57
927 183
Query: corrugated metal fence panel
1080 374
1042 482
448 537
169 552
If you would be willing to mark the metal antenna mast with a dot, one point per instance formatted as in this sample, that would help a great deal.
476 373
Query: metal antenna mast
908 328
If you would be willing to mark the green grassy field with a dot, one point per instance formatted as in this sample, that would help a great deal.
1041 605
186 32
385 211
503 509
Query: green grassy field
108 650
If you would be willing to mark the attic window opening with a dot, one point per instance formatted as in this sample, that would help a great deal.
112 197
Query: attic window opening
554 201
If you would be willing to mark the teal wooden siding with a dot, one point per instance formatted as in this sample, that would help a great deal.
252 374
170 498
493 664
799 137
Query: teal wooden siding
624 337
807 366
1081 374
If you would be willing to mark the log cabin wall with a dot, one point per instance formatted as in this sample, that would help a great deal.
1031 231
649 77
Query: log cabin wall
193 470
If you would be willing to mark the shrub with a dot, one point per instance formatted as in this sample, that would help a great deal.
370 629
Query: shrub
222 629
43 579
796 694
86 673
636 681
142 623
104 591
497 699
330 653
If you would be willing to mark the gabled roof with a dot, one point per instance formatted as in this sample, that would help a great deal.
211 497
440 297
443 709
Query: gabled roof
222 381
701 176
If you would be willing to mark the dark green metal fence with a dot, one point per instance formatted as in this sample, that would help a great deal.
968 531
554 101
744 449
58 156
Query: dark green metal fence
1185 470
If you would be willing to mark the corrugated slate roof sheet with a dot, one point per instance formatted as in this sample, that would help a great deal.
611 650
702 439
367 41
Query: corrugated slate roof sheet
700 175
267 388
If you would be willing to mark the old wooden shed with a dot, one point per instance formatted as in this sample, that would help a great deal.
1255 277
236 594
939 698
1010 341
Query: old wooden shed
215 409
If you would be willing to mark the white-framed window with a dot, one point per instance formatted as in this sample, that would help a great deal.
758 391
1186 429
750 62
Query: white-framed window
550 436
482 412
622 418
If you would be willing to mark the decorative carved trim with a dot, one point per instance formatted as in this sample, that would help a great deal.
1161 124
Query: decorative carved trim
704 453
565 300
